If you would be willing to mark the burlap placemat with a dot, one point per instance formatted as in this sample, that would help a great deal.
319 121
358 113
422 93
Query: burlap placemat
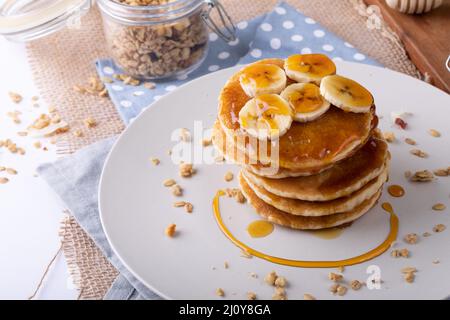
66 58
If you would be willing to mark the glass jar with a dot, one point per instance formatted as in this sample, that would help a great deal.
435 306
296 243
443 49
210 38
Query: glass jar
24 20
164 38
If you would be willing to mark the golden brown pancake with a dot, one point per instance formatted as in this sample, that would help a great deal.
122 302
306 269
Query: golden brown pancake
319 208
342 179
300 222
229 150
315 144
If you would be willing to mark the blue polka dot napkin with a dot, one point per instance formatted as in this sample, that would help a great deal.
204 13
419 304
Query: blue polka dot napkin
283 32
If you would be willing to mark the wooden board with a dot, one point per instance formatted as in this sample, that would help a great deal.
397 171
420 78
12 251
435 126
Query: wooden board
426 38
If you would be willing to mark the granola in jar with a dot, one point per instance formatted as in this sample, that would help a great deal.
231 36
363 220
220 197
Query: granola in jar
151 39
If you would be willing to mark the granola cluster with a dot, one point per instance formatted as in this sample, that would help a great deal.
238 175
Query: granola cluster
157 50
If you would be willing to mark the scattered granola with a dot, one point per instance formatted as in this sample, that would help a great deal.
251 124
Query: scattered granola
11 171
410 141
389 136
37 145
251 295
338 289
3 180
22 133
177 190
408 174
439 227
400 253
188 207
411 238
422 176
170 230
436 261
442 172
186 170
439 207
280 294
434 133
220 292
179 204
185 135
155 161
355 285
280 282
341 269
419 153
335 277
270 278
409 277
228 176
226 265
401 123
308 296
15 97
408 270
169 182
426 234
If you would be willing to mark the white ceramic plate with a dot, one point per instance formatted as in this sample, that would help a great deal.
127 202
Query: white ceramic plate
135 208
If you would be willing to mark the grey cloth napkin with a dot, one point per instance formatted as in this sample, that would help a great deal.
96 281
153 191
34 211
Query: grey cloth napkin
75 179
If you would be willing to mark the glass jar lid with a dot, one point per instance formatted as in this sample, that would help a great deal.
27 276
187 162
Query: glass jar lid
22 20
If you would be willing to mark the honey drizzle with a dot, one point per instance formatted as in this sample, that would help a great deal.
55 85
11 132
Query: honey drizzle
260 228
392 236
396 191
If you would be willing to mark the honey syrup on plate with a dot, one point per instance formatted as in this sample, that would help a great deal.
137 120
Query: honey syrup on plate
385 245
396 190
260 228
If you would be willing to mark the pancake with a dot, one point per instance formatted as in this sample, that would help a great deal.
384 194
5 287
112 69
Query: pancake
320 208
228 149
340 180
277 216
315 144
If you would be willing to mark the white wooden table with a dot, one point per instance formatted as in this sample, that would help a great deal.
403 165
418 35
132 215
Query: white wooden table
30 213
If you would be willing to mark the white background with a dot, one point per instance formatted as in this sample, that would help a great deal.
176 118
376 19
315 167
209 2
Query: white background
30 212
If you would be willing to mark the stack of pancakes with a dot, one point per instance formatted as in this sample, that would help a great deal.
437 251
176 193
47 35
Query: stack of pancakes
328 172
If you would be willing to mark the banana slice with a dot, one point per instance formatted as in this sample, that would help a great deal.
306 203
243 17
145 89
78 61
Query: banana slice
267 116
306 101
257 79
346 94
309 67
